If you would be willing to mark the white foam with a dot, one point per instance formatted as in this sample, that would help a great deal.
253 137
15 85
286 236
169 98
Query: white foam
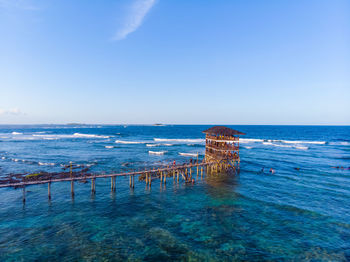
16 133
179 140
343 143
250 140
46 164
109 146
156 152
302 147
267 143
3 157
297 146
302 142
248 147
129 142
89 136
188 154
152 145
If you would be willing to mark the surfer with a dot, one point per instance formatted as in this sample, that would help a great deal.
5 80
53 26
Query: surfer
272 171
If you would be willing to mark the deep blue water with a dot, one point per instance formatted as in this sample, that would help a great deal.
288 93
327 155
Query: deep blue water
300 215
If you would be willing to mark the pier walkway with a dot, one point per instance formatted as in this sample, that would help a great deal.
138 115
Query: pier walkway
184 171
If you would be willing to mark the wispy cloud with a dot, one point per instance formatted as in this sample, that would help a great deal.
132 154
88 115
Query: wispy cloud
18 4
11 111
134 19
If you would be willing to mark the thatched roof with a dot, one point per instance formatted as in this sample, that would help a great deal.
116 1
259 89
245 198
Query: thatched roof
222 131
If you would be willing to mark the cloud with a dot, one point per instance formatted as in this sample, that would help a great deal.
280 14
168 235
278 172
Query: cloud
134 19
11 111
18 4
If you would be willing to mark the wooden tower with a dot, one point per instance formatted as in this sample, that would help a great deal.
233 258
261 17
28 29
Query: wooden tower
222 148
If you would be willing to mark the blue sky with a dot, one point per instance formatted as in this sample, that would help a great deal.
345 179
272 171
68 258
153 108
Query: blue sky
181 62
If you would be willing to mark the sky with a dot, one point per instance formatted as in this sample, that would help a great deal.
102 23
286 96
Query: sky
175 62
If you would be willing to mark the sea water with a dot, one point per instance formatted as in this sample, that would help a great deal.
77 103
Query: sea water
300 212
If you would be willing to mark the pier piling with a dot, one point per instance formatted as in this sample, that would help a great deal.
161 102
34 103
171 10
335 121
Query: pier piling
24 194
49 190
72 187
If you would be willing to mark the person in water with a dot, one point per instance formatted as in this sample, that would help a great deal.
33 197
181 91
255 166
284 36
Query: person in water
272 171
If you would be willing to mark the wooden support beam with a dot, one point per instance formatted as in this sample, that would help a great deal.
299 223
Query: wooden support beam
49 190
129 181
24 194
72 187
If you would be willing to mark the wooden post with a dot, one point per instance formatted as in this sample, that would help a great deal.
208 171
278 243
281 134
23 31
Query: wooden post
165 177
72 187
133 181
201 171
174 174
111 183
49 190
129 180
178 175
70 169
161 176
24 194
93 185
150 179
197 164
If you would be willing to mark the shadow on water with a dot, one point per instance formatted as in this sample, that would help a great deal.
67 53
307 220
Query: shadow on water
222 186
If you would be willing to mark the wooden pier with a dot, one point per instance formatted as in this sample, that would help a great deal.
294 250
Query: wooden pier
221 156
177 172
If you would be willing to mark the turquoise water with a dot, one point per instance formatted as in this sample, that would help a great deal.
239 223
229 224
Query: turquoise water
300 215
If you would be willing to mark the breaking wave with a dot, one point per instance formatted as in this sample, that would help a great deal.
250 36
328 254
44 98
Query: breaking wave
269 141
156 152
188 154
340 143
16 133
129 142
89 136
179 140
46 164
153 145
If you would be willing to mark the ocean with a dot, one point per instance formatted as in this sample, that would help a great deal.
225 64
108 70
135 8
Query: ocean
300 213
